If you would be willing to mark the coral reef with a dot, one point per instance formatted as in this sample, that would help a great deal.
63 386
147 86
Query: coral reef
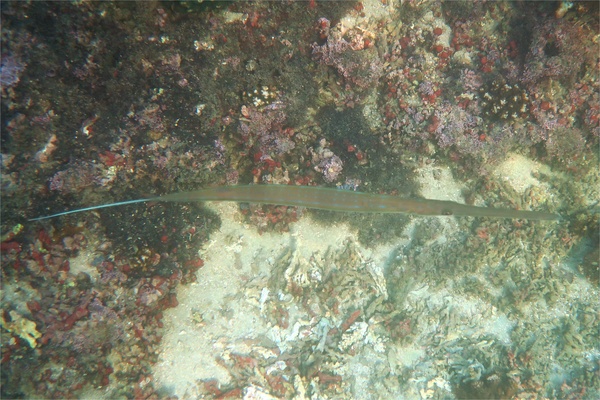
492 103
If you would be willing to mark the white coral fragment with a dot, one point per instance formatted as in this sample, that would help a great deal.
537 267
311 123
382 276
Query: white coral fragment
22 327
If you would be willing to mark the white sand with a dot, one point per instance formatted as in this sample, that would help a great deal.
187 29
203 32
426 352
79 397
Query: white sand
238 262
518 170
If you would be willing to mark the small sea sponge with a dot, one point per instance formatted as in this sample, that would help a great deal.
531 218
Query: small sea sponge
22 327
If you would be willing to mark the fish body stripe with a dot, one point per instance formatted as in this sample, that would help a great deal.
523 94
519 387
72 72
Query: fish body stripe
345 200
328 199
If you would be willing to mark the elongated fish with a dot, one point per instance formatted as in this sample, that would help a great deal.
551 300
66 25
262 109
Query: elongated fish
327 199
